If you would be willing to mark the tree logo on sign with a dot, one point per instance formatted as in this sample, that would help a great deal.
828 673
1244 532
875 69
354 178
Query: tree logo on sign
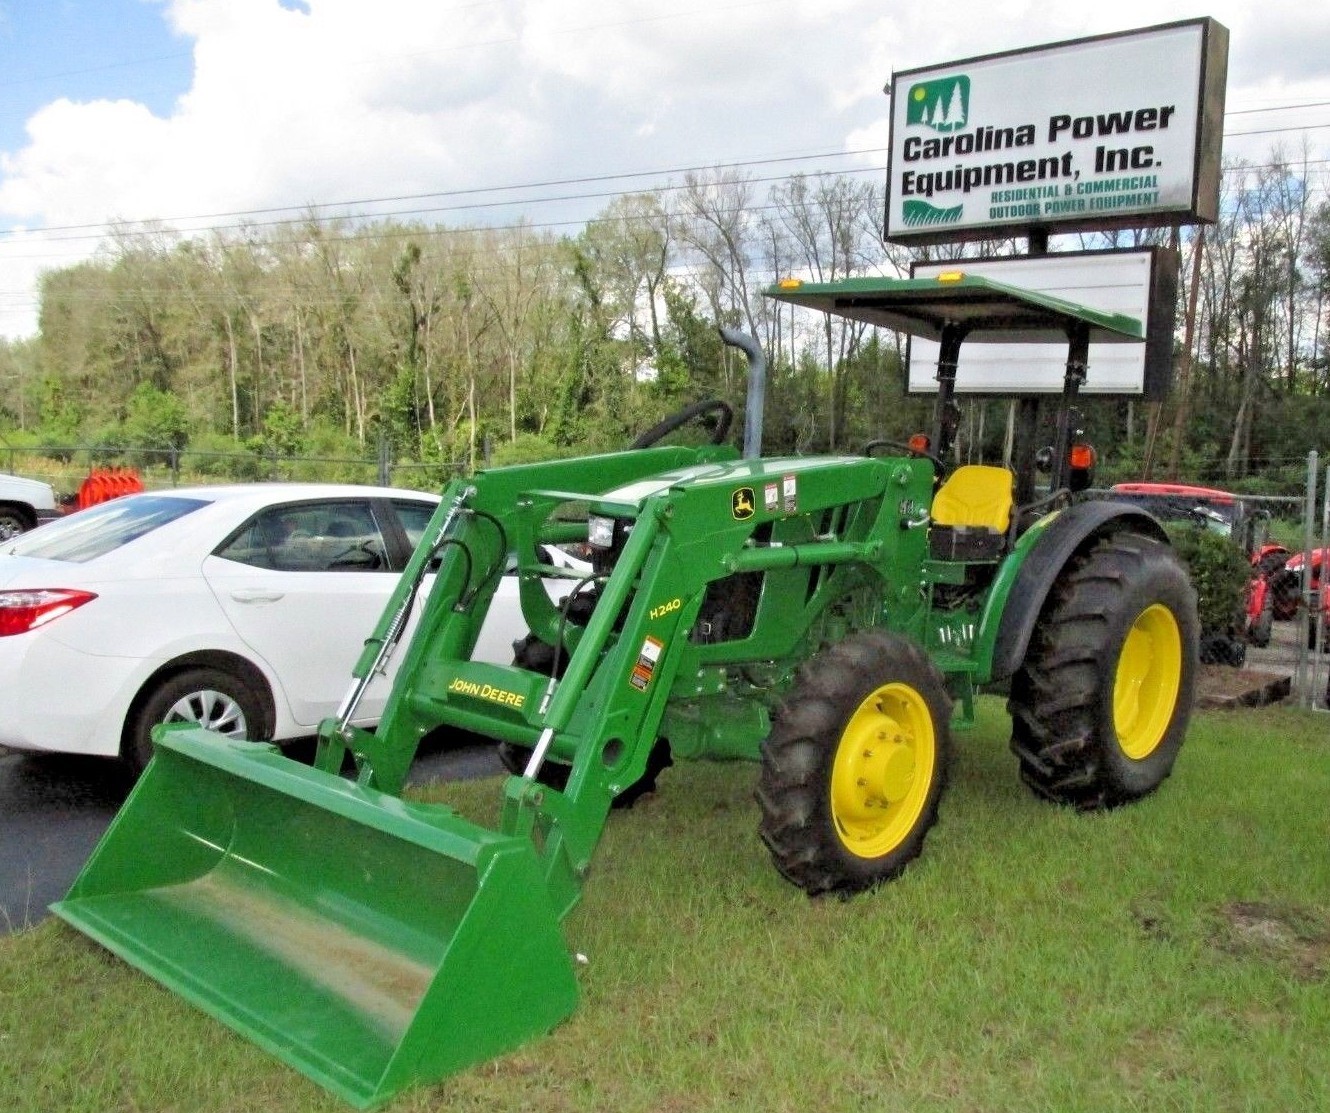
942 104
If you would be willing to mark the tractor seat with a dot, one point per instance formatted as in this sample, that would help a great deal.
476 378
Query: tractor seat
971 513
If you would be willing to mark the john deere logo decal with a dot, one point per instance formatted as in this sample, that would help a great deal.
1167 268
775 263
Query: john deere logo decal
741 503
943 105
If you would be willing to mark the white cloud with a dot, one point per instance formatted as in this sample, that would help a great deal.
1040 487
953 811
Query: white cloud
338 99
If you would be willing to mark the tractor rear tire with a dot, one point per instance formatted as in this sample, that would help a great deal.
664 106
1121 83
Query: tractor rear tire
855 764
1100 706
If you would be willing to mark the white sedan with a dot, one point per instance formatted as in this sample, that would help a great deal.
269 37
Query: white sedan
242 608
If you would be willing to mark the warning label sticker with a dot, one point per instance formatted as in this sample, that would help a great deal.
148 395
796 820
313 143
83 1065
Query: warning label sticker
646 663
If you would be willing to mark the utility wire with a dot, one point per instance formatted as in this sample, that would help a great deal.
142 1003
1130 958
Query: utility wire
307 208
304 210
124 231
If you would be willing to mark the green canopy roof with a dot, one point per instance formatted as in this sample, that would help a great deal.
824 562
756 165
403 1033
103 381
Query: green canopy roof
991 312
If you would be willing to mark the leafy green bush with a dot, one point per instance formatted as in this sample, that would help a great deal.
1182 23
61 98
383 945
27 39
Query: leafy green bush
156 425
1219 571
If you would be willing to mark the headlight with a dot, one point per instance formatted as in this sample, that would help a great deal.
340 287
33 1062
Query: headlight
600 532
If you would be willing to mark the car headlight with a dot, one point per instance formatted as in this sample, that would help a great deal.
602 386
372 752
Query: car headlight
600 532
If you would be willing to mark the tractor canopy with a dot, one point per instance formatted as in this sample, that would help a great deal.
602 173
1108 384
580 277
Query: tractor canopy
984 310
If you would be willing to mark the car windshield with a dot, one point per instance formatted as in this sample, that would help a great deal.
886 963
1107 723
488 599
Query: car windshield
91 533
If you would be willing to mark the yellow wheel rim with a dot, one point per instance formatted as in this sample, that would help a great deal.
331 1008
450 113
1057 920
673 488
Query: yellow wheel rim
1149 674
883 770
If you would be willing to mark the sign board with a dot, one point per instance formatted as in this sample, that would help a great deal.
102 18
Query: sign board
1141 284
1116 131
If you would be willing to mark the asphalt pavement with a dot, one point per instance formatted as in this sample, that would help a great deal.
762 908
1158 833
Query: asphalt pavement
54 808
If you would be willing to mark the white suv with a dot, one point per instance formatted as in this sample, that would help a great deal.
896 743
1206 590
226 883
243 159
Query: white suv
24 504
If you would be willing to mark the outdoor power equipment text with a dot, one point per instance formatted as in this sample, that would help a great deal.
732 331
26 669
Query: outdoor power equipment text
1133 187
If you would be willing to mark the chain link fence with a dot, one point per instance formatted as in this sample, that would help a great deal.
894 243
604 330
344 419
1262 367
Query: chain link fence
1284 629
1278 627
65 467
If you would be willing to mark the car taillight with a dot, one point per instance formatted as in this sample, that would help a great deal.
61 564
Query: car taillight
21 611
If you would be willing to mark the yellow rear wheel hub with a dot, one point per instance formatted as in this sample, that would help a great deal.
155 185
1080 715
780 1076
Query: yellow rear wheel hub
1149 675
883 770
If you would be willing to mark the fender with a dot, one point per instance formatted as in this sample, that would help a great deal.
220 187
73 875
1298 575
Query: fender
1013 608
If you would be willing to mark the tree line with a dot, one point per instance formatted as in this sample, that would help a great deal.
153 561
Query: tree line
455 344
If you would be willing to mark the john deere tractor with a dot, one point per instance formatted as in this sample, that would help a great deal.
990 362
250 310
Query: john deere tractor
825 617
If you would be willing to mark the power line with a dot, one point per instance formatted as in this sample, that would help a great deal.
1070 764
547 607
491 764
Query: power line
367 232
669 187
472 191
1275 131
1276 108
128 63
551 183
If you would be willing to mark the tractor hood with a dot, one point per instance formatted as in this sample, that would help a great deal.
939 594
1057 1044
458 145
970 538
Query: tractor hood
630 497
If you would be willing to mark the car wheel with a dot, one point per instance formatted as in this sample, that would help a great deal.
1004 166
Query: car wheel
12 523
210 697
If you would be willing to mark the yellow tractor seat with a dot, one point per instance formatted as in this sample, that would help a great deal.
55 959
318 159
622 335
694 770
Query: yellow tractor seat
971 513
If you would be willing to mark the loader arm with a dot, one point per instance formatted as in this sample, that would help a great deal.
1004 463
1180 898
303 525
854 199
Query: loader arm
467 543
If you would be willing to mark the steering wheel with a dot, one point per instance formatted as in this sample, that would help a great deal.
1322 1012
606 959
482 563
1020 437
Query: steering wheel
906 450
689 413
361 557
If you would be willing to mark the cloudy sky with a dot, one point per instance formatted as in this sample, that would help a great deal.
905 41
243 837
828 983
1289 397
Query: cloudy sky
203 113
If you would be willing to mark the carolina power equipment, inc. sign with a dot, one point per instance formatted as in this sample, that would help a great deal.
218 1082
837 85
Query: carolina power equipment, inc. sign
1115 131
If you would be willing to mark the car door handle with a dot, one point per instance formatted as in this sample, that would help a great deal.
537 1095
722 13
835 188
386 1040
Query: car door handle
256 595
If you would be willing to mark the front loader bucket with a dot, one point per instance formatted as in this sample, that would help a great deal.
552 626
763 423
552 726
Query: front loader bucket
369 942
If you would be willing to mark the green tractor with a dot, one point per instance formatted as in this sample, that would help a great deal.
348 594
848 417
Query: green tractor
824 617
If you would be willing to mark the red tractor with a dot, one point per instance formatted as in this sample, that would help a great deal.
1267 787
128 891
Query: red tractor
1224 513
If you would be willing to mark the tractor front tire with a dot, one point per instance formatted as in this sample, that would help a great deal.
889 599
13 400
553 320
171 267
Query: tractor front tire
1100 706
855 764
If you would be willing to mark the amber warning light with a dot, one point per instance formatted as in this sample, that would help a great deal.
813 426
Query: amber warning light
1082 457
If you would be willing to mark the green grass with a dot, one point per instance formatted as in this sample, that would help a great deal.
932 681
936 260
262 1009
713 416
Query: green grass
1174 955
